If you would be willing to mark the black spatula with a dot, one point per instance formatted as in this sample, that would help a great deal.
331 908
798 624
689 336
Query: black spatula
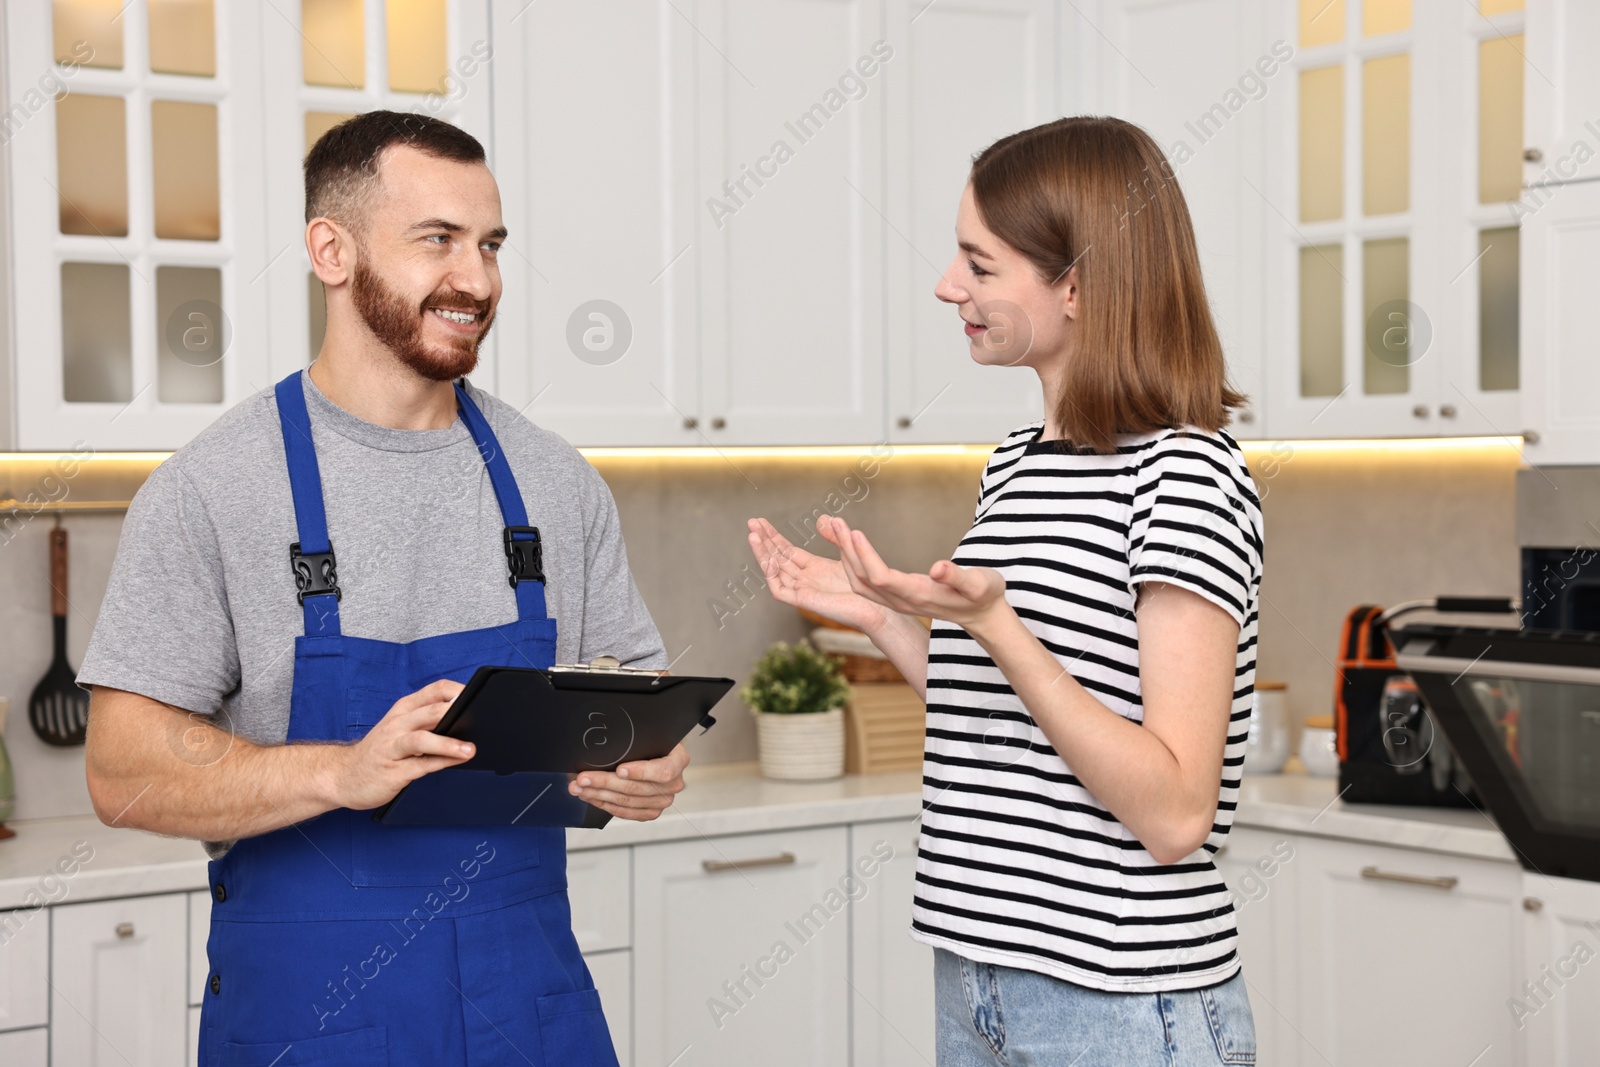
58 709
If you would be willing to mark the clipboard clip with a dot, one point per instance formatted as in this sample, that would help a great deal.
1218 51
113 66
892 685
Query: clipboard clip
604 665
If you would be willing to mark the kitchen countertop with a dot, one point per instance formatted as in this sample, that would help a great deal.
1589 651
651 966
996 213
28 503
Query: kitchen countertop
725 798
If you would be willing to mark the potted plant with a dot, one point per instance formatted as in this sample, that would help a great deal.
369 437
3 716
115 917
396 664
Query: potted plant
797 695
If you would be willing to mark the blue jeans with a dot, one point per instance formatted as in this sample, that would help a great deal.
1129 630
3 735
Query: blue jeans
996 1016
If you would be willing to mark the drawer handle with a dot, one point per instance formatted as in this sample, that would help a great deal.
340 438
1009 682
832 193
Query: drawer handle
124 930
780 860
1446 882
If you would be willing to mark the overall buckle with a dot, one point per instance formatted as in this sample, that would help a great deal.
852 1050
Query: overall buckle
524 554
315 573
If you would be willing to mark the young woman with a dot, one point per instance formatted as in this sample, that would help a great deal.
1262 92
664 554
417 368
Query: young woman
1090 668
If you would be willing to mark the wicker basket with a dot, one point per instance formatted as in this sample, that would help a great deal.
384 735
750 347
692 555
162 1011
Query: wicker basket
884 723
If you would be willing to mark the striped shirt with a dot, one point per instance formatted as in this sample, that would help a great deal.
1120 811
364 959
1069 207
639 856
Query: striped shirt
1017 863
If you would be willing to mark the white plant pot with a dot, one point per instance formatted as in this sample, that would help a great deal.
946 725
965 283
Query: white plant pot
801 746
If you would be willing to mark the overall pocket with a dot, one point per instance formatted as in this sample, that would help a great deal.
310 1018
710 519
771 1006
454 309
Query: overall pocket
367 1047
573 1029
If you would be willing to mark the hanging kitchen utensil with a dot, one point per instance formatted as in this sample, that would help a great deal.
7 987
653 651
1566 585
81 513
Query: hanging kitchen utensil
58 709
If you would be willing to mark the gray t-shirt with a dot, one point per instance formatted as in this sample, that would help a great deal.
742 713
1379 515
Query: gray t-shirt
200 611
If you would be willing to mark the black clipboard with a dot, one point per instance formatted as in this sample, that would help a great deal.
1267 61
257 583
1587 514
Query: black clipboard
536 730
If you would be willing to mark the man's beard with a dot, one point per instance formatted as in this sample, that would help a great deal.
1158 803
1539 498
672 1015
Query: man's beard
399 325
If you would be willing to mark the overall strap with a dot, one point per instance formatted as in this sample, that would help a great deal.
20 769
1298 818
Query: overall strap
524 552
315 575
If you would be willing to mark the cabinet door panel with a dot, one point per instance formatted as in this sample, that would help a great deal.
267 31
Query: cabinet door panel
1179 59
1559 1007
1259 867
1560 275
25 1048
119 970
891 976
1405 955
613 977
595 161
964 76
741 950
788 200
24 968
598 884
199 933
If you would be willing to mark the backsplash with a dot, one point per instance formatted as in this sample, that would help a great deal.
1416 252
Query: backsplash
1344 526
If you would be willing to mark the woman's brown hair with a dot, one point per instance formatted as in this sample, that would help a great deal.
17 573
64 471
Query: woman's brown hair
1098 194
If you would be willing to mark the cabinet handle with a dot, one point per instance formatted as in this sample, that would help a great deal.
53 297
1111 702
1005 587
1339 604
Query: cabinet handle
718 422
904 422
782 859
1247 416
690 422
1530 437
1446 882
124 930
1420 411
1532 904
1533 155
1447 411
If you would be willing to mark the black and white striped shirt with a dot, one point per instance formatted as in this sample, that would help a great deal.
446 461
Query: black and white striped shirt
1017 863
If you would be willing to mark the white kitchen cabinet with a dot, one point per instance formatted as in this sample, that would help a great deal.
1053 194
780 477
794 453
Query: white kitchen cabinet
24 968
791 260
941 111
199 934
1175 60
1405 956
1561 104
120 302
118 974
741 950
891 976
1560 275
25 1048
613 977
1557 1003
599 882
193 1051
601 201
1259 868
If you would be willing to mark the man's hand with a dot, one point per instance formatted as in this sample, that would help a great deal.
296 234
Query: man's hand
640 790
401 748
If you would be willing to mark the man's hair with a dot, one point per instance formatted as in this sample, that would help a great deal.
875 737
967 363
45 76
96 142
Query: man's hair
342 167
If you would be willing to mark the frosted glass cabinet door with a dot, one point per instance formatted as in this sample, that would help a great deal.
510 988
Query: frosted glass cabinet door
143 176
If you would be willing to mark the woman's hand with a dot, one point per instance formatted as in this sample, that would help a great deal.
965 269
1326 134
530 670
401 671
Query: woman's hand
802 580
970 597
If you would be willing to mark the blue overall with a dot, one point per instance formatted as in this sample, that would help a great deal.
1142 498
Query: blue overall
342 940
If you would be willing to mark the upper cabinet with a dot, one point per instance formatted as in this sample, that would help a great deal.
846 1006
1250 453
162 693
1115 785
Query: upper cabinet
1392 251
1196 74
156 217
727 223
135 231
1560 212
750 259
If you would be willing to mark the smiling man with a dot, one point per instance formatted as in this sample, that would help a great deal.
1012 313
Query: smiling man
298 595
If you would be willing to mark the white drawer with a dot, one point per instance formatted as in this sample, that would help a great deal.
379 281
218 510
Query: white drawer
599 884
25 1048
613 977
199 931
24 969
